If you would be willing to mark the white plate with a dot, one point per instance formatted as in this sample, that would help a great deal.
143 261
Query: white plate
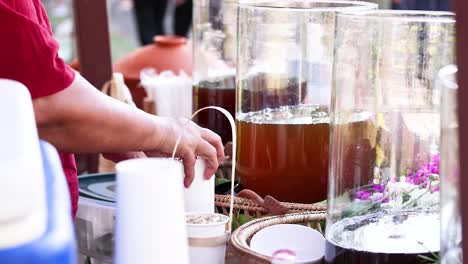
307 243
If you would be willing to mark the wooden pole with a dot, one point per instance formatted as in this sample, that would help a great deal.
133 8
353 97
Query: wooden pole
461 9
92 30
94 54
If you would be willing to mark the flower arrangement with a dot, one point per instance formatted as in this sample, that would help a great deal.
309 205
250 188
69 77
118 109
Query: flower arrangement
417 189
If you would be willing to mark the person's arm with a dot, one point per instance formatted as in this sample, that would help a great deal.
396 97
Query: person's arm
80 119
72 114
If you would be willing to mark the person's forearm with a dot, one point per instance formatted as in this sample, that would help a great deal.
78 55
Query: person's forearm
81 119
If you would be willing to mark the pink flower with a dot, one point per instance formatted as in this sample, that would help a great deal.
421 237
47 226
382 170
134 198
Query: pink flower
363 195
421 176
380 188
424 177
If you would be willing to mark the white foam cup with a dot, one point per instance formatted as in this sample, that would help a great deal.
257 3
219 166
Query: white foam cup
150 212
200 196
207 241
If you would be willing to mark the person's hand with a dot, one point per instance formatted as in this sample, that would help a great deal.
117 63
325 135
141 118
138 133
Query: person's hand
195 142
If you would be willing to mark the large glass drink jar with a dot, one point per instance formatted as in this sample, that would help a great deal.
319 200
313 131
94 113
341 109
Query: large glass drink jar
383 200
214 62
450 217
284 77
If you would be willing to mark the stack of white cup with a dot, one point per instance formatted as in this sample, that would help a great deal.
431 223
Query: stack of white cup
207 241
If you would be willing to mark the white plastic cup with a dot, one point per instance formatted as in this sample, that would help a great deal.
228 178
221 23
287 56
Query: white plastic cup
150 212
207 242
165 89
200 196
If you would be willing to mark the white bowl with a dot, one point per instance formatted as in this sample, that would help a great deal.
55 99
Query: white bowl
307 243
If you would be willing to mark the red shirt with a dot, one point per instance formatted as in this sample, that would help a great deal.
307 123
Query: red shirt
29 54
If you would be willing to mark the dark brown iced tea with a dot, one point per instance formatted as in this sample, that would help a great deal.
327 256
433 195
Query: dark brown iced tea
222 93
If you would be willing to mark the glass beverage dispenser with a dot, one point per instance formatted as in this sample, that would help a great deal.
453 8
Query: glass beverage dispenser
450 215
383 200
214 62
285 52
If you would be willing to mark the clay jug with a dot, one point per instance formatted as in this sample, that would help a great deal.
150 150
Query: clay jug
165 53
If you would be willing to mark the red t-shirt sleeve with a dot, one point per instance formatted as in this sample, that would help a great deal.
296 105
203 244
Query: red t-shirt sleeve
28 51
29 54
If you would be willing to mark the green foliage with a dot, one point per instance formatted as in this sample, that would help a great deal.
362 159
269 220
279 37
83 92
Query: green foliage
433 259
356 208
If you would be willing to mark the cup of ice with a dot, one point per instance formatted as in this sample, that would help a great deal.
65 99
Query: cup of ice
207 236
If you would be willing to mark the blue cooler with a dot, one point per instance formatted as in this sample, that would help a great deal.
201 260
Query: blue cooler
35 215
57 244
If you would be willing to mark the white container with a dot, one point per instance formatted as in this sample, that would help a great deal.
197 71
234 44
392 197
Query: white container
207 242
200 196
150 212
171 93
23 204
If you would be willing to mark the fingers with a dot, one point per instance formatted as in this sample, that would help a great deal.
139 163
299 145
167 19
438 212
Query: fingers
215 140
189 169
203 143
209 154
195 141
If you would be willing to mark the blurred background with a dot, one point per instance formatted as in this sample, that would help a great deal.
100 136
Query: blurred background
124 31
